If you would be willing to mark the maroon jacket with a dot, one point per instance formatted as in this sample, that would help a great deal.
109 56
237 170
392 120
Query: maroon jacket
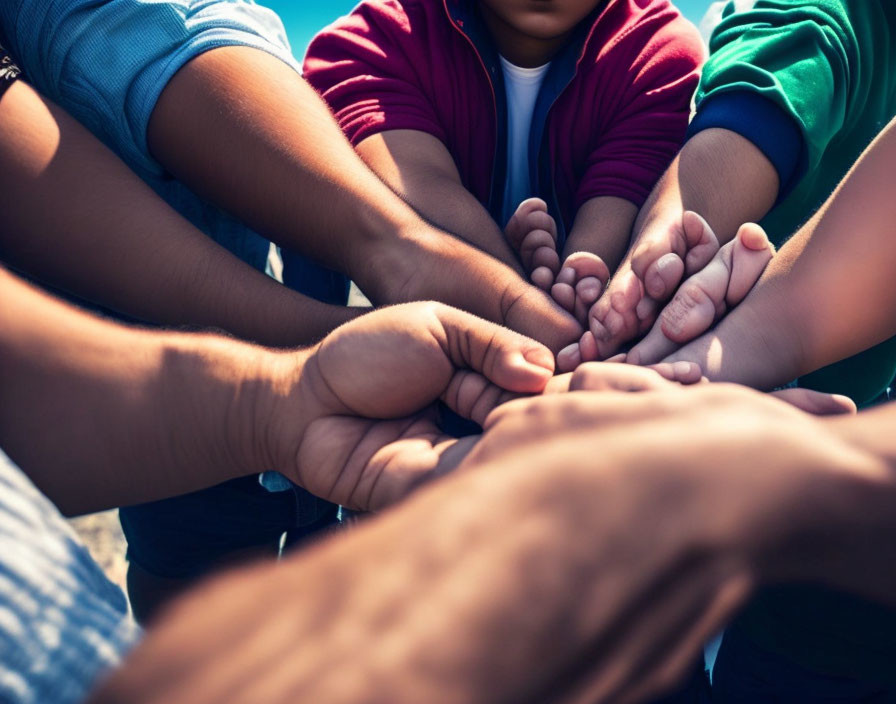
611 115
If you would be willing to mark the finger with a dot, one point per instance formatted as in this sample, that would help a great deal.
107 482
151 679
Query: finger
534 241
564 295
816 402
472 396
569 358
686 373
691 313
702 243
750 256
653 348
646 310
619 322
601 376
540 219
588 290
543 278
585 264
588 348
518 225
546 257
504 357
558 385
663 276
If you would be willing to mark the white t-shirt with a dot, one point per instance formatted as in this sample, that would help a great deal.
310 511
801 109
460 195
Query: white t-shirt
522 86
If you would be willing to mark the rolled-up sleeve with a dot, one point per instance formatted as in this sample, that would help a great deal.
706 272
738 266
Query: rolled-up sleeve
108 62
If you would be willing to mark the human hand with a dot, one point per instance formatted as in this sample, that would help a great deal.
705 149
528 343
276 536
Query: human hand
532 234
698 304
647 277
664 574
355 423
707 296
576 285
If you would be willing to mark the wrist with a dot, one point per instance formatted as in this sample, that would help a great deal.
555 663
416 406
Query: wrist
224 395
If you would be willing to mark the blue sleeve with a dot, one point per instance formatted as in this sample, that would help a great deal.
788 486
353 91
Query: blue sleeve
762 122
107 62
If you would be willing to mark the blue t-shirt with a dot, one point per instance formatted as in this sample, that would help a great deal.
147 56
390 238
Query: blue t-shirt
106 63
63 624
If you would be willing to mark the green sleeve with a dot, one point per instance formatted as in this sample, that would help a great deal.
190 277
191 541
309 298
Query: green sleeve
806 57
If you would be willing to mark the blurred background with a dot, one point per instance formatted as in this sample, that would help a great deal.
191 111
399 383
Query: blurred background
304 19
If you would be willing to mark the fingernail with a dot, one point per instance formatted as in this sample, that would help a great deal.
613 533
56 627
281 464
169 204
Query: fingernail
683 368
541 357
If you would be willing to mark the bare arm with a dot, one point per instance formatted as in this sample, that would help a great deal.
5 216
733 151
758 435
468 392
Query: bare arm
101 415
419 168
603 227
643 595
76 217
830 293
269 151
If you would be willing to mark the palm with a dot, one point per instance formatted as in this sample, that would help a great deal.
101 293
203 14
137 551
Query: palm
367 464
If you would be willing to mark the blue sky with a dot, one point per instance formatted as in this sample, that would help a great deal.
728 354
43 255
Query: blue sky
303 18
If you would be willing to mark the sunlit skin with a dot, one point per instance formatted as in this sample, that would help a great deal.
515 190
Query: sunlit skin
529 32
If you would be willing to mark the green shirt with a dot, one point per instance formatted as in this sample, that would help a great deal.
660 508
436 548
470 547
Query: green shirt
831 66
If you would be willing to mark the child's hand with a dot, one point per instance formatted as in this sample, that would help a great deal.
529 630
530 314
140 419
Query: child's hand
532 233
646 279
707 296
579 284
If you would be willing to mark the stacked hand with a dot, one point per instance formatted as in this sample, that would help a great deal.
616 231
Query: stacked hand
626 309
357 424
677 527
719 279
578 283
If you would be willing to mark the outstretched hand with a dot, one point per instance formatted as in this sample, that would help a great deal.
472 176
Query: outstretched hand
718 285
647 278
357 424
576 284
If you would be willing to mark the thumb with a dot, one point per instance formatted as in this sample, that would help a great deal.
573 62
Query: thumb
507 359
816 402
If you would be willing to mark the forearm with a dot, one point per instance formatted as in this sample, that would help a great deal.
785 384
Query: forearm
603 226
100 415
419 168
442 638
718 174
77 218
270 152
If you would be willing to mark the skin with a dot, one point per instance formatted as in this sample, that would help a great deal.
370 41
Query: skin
66 194
704 298
285 156
718 174
572 474
231 409
811 307
419 168
529 32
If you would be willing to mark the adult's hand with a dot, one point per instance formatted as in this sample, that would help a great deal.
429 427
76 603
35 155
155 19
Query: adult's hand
583 553
355 422
686 500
